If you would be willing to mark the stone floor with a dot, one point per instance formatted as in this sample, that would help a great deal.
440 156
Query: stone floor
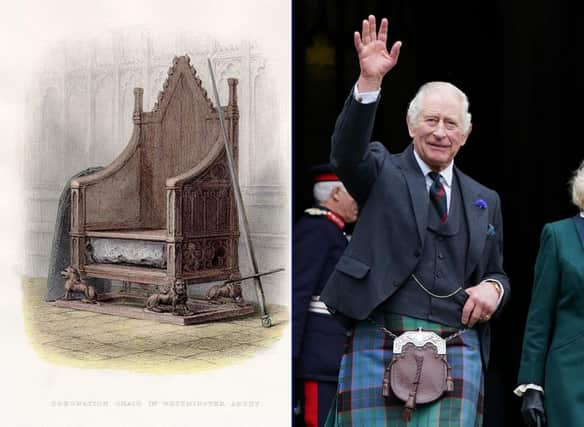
100 341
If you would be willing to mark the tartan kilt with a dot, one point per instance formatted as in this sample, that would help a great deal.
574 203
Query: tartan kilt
359 400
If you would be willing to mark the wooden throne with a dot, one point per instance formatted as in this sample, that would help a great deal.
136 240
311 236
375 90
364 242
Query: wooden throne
170 188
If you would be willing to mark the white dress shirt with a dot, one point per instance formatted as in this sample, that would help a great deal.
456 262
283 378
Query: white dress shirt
445 177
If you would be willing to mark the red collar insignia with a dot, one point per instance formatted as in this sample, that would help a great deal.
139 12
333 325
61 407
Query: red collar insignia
329 215
335 219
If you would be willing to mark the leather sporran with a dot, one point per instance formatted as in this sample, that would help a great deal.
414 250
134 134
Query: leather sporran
418 371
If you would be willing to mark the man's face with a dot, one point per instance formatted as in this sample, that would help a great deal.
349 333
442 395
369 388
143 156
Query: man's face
346 206
437 131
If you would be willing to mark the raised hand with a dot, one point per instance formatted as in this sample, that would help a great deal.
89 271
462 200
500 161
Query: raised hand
374 60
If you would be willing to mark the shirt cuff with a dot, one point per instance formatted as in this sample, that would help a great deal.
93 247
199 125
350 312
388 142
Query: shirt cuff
501 288
524 387
365 97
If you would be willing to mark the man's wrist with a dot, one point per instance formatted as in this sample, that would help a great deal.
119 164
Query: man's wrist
498 286
365 97
368 84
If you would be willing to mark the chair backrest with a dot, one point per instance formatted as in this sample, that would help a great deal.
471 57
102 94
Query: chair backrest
174 143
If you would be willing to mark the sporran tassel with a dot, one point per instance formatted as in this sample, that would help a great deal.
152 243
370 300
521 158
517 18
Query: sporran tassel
386 389
407 414
449 380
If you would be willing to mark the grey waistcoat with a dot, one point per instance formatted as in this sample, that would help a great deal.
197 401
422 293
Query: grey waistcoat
440 270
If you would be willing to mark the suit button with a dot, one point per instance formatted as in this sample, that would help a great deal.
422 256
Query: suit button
439 275
395 283
440 255
417 253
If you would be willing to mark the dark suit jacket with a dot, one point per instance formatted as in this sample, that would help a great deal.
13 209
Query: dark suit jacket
319 340
388 239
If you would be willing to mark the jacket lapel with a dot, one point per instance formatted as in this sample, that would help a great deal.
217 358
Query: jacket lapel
417 189
476 218
579 221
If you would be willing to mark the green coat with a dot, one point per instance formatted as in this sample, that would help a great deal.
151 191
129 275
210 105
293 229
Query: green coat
553 346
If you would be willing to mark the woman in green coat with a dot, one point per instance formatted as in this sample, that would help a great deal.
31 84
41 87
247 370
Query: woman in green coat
552 361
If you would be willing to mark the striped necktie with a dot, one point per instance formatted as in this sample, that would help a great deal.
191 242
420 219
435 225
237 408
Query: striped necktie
438 196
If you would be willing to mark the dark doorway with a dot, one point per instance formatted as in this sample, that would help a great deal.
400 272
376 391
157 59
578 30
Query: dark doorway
513 62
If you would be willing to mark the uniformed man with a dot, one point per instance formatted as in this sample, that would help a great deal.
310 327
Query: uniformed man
319 340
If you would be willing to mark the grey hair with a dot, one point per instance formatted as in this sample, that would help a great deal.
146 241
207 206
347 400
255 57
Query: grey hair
577 184
416 104
322 190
